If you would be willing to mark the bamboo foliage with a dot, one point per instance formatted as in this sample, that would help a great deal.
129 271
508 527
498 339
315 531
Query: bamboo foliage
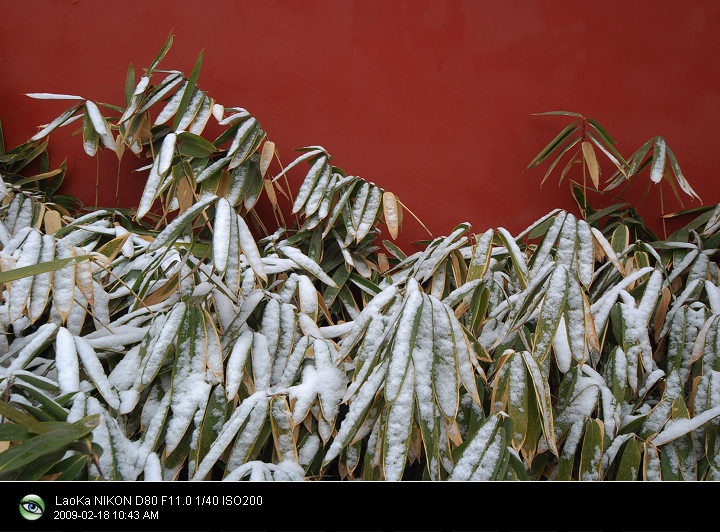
183 340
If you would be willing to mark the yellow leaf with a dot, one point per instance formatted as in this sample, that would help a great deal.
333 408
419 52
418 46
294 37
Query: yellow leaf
162 293
270 189
592 164
184 195
383 263
53 221
223 184
266 157
661 312
391 210
453 433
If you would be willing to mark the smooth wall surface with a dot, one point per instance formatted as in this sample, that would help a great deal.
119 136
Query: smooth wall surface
431 99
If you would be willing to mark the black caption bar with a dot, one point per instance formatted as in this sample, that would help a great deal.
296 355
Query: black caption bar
355 506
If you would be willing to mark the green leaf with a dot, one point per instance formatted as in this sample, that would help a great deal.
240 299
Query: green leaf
161 54
14 432
189 90
70 468
553 145
21 418
559 113
129 84
42 267
629 462
592 450
193 145
49 405
31 155
620 238
544 400
42 444
215 416
601 131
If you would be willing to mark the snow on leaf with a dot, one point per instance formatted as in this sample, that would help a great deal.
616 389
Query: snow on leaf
356 414
229 430
66 362
551 311
516 256
20 289
50 96
304 157
261 362
398 426
249 249
369 213
480 452
403 342
658 160
174 228
221 234
165 340
236 363
172 106
167 151
544 402
308 184
480 257
95 371
307 264
63 281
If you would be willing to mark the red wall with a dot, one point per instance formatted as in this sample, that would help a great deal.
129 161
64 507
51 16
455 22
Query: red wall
430 99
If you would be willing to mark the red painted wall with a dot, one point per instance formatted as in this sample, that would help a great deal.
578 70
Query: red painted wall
431 99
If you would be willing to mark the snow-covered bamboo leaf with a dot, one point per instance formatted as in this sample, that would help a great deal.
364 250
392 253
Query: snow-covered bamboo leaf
249 249
241 421
281 419
436 326
481 456
543 398
178 225
316 170
592 451
357 412
552 309
480 258
63 281
398 427
403 342
66 362
307 264
96 372
221 234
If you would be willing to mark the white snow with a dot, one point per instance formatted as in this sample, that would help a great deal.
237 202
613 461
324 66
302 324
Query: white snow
167 151
95 371
678 427
250 250
66 362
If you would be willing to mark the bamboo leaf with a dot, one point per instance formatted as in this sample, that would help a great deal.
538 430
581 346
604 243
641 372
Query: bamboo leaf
38 446
592 164
189 89
553 145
